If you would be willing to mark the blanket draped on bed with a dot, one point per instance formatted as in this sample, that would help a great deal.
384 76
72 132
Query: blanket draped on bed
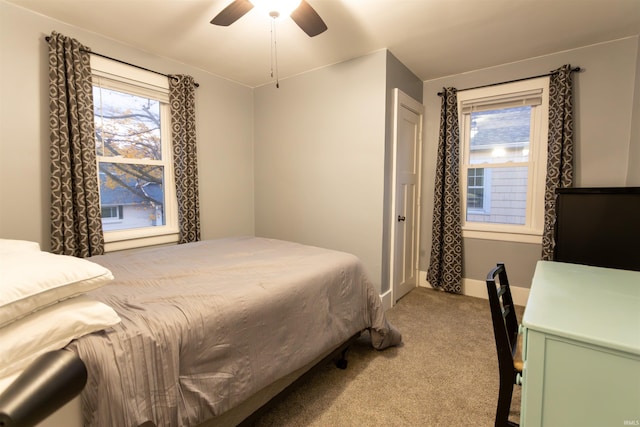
207 324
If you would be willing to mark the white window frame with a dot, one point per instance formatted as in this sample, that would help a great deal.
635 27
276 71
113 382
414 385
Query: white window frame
124 78
502 96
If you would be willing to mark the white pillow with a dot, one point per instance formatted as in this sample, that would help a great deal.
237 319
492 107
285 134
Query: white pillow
9 245
51 328
32 280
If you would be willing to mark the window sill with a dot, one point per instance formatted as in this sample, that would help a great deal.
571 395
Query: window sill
121 240
503 236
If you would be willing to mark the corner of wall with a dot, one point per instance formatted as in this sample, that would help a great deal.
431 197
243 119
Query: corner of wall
633 167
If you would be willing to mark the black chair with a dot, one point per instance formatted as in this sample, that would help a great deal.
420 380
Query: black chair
508 342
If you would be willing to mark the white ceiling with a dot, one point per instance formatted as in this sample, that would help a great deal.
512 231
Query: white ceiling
434 38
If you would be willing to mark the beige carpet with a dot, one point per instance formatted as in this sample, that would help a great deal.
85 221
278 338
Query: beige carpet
444 374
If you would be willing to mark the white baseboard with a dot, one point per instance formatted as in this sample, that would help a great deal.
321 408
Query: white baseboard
478 289
386 300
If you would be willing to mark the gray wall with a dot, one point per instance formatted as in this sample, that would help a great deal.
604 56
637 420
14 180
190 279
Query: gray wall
400 77
319 158
607 139
224 130
633 170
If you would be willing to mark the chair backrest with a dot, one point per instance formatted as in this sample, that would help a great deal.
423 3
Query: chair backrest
503 315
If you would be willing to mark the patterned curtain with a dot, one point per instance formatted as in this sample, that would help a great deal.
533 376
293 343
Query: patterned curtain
76 226
560 150
445 268
185 159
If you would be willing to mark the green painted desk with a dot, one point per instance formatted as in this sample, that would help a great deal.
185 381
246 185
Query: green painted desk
581 347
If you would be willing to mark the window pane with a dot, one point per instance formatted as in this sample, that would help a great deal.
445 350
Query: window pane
506 189
131 196
109 212
475 189
126 125
475 197
499 136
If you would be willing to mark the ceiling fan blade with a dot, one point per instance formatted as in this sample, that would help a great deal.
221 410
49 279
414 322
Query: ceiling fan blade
308 19
232 13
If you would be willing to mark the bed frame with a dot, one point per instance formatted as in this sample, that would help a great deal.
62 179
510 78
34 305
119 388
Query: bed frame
49 383
56 378
247 413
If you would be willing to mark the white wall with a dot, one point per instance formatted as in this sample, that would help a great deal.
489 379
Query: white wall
319 158
607 138
224 130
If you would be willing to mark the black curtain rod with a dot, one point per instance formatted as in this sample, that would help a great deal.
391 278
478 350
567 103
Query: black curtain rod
576 69
47 38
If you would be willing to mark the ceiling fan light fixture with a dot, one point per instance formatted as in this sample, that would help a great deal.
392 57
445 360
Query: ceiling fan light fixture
300 12
276 8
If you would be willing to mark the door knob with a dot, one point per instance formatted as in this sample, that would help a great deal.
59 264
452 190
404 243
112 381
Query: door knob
401 218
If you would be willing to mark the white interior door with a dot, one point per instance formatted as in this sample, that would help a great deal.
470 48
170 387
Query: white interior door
406 194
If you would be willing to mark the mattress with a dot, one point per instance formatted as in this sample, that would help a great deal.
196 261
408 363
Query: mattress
206 325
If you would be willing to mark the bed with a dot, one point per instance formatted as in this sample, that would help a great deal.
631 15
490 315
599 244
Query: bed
210 331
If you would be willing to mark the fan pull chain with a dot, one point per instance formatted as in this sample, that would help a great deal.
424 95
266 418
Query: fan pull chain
274 50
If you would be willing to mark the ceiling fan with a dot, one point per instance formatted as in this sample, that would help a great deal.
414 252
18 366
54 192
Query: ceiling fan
300 11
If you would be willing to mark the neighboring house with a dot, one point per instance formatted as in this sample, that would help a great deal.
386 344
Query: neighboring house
498 194
134 206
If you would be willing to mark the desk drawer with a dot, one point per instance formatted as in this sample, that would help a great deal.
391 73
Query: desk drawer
568 382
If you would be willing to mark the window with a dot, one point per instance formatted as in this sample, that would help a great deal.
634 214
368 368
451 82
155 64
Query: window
110 214
133 150
503 137
478 196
